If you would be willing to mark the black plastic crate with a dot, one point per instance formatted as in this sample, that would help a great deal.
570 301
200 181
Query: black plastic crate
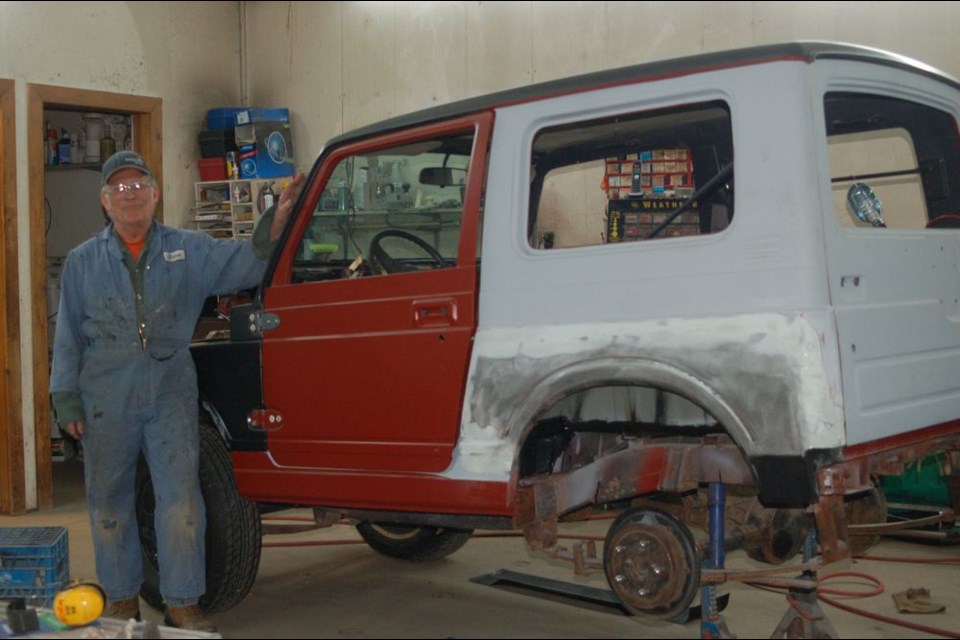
216 144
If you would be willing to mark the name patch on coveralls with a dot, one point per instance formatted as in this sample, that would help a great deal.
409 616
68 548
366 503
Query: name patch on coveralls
173 256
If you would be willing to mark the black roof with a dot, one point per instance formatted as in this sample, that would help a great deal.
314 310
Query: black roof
801 50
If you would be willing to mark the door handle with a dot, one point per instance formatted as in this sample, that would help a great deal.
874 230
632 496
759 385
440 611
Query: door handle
434 313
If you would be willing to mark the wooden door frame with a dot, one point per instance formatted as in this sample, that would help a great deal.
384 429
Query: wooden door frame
11 431
146 126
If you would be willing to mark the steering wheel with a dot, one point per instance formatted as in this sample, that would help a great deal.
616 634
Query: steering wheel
380 259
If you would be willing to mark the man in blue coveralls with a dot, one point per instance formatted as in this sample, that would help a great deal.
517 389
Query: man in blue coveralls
123 379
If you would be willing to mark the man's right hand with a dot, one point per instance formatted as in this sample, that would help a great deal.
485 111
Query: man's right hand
75 429
288 198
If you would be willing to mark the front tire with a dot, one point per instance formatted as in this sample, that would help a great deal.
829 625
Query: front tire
233 529
413 543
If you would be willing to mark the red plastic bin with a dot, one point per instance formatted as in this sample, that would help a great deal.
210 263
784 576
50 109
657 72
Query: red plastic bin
212 169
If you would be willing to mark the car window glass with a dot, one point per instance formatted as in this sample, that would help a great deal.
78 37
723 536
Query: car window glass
387 211
907 153
659 174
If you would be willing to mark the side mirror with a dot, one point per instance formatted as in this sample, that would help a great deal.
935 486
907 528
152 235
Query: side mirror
865 204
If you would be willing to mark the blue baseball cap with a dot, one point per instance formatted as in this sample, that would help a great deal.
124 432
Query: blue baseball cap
125 159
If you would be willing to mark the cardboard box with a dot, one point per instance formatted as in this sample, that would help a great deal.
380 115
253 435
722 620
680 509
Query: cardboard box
265 150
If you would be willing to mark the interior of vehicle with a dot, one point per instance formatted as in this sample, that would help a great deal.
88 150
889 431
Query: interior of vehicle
387 211
638 176
894 163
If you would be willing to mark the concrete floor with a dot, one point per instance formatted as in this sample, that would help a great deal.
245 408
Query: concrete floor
349 591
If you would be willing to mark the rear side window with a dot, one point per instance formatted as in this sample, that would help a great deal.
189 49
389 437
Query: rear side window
658 174
893 163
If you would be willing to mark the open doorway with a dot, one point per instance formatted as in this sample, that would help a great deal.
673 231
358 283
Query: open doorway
145 124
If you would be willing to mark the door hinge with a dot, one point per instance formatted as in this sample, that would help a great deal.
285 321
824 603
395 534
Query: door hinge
259 321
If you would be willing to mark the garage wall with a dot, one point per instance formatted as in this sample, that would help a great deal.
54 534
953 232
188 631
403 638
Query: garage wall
339 65
186 53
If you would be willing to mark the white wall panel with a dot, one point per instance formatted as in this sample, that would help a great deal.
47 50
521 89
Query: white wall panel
727 25
294 57
340 65
647 31
499 46
186 53
429 63
568 38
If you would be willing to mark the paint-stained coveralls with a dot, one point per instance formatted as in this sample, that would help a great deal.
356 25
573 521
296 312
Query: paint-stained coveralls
121 362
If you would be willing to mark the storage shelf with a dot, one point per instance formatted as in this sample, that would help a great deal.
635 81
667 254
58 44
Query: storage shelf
218 212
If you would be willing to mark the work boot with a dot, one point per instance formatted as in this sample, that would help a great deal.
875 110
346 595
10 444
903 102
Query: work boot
191 617
124 609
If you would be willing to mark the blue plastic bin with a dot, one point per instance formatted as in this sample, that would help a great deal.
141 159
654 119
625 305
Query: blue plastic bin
254 116
222 118
34 562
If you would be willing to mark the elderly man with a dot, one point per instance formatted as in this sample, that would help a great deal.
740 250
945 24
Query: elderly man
123 379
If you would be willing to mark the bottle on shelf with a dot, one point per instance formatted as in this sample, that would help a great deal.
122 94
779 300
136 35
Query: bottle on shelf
108 146
63 147
241 194
266 197
233 170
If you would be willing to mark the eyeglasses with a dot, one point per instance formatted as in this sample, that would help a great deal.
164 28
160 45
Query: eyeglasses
134 188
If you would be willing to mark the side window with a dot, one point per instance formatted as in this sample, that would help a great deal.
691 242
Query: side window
388 211
893 163
634 177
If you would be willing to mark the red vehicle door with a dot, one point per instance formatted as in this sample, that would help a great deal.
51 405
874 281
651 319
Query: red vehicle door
374 303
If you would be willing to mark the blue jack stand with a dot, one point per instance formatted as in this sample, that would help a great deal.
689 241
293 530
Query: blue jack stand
712 624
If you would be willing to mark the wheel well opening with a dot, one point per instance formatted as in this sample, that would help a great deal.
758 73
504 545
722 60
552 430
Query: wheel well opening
618 447
591 423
